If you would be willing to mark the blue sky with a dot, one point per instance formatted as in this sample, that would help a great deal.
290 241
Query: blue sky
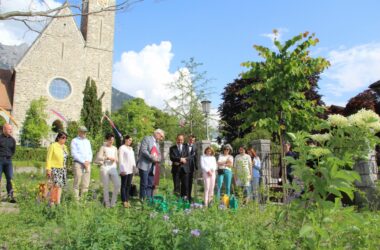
153 37
220 34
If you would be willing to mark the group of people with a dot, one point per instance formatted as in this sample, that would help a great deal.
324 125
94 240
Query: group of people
244 170
117 166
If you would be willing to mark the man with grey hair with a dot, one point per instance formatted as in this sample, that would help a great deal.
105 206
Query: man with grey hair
7 150
149 155
82 156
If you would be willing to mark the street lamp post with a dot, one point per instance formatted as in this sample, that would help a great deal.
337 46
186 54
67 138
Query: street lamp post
206 111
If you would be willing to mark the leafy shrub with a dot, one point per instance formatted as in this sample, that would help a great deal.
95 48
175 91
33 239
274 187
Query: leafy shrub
30 154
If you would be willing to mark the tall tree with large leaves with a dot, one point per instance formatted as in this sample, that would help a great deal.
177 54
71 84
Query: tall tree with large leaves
235 103
278 101
91 113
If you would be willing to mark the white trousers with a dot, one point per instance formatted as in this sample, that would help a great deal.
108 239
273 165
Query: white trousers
108 173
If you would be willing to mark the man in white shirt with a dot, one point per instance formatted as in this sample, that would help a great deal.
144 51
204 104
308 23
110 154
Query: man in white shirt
82 156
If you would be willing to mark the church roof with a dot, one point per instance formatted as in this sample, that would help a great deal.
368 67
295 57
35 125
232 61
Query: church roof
6 88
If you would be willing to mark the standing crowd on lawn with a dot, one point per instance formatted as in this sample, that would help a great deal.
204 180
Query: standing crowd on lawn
118 165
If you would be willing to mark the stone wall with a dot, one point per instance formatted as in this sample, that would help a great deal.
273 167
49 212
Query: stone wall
368 172
61 52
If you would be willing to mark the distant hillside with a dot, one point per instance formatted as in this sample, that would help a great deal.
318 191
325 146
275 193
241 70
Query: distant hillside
118 98
10 55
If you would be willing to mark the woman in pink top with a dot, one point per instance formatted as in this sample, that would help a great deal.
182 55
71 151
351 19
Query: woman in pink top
208 165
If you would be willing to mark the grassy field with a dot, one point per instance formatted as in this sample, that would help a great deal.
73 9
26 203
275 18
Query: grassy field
88 225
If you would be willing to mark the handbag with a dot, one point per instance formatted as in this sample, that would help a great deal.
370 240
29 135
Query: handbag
99 159
220 171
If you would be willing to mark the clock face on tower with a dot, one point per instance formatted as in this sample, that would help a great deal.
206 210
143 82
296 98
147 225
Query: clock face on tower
103 3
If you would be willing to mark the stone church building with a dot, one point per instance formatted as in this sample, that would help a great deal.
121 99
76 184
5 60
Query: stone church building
58 63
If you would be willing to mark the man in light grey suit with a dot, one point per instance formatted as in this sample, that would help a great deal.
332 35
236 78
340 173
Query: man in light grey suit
146 161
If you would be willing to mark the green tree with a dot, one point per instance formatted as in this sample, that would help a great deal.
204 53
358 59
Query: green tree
35 127
189 90
278 100
135 118
91 112
169 123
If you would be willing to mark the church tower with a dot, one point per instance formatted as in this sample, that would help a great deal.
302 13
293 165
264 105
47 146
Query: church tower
97 27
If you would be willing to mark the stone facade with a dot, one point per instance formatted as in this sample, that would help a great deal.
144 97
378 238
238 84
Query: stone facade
368 171
61 51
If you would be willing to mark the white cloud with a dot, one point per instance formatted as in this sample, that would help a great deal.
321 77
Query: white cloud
275 35
15 32
351 71
145 73
354 68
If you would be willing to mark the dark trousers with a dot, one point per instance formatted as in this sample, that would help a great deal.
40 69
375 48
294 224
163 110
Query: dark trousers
7 168
182 183
177 182
126 184
185 184
191 176
146 183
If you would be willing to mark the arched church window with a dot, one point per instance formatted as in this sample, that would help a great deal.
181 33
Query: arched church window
59 88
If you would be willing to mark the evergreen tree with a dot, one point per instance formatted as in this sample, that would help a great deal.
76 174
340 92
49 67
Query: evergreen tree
189 90
35 127
91 113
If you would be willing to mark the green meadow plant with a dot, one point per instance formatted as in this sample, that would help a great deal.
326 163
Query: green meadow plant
325 167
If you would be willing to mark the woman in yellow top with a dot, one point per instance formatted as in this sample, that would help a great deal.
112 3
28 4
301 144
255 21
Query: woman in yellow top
56 163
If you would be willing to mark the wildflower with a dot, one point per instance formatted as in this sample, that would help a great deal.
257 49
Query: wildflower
320 137
175 231
195 232
318 151
365 119
337 120
222 206
152 215
187 211
166 217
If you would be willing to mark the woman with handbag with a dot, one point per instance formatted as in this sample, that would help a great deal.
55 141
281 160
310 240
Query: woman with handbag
108 158
127 164
225 164
56 166
208 165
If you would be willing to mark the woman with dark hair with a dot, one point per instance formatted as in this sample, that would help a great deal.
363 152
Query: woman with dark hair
56 165
256 167
108 158
127 165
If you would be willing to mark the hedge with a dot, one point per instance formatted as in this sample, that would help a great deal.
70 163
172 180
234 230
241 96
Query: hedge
30 154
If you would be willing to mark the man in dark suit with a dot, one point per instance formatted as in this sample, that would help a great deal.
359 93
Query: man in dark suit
179 154
192 160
